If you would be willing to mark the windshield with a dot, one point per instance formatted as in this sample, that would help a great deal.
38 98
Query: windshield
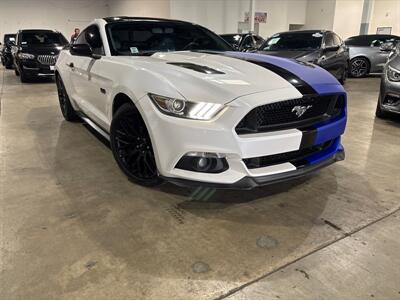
146 38
293 41
43 38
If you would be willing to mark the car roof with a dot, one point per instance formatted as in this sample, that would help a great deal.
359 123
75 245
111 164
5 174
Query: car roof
371 35
304 31
118 19
37 30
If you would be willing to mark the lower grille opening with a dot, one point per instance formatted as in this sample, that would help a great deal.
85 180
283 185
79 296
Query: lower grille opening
295 157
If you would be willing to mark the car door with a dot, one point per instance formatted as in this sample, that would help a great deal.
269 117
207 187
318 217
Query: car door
341 55
85 85
380 56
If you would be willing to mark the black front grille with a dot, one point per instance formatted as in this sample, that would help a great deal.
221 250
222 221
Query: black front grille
293 113
295 157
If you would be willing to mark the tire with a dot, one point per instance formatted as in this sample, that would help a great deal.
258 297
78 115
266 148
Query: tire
65 104
343 78
379 113
16 72
359 67
9 67
24 78
132 148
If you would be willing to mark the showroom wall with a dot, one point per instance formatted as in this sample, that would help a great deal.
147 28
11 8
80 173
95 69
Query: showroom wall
140 8
63 15
385 13
347 17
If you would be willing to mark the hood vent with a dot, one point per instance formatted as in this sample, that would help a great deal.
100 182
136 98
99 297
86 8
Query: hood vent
197 68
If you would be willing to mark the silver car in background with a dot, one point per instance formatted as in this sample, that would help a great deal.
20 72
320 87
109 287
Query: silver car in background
389 94
369 53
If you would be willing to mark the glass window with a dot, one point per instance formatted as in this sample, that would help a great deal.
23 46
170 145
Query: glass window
248 42
329 40
42 38
91 36
146 38
337 40
293 41
233 39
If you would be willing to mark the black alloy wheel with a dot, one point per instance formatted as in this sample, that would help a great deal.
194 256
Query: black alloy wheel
359 67
65 104
132 148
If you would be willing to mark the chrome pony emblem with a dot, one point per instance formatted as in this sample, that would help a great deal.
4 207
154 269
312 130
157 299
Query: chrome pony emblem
300 110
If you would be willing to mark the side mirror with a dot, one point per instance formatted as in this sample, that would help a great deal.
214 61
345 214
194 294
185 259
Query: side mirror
82 50
387 47
331 48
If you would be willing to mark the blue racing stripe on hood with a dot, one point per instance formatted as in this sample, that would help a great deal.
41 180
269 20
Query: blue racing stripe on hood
319 79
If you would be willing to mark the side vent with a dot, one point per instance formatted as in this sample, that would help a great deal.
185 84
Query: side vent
197 68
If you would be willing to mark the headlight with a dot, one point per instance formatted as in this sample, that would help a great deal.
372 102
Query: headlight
393 74
186 109
26 56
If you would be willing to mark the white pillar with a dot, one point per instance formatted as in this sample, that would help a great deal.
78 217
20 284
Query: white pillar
251 15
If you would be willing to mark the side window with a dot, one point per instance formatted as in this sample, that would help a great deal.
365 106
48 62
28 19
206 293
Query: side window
329 42
248 42
91 36
336 40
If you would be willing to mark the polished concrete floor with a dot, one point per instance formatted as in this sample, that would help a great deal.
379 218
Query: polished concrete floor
73 227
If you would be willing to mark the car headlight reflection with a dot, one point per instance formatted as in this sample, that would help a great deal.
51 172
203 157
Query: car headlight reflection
26 56
393 74
186 109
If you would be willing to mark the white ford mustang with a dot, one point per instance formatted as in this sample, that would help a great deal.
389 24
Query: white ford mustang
178 104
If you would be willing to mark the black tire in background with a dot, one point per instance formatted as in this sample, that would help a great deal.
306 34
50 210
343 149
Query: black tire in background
65 104
16 72
343 78
24 78
359 67
379 112
131 146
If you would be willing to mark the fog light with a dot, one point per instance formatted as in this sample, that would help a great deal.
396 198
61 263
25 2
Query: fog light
203 162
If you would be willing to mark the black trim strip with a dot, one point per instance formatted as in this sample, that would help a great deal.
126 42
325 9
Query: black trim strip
302 86
197 68
308 138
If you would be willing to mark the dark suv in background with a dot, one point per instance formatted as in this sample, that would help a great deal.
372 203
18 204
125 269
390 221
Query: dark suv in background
35 52
6 58
369 53
320 47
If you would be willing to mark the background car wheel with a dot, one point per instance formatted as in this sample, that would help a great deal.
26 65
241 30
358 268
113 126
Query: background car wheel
16 72
379 112
24 78
65 104
132 148
8 67
359 67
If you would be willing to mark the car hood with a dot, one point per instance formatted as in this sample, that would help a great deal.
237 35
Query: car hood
294 54
222 77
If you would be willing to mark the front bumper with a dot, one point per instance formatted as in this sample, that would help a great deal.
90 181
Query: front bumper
389 98
173 138
34 68
248 183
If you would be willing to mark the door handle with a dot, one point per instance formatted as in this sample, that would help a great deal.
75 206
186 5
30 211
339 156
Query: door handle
71 65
